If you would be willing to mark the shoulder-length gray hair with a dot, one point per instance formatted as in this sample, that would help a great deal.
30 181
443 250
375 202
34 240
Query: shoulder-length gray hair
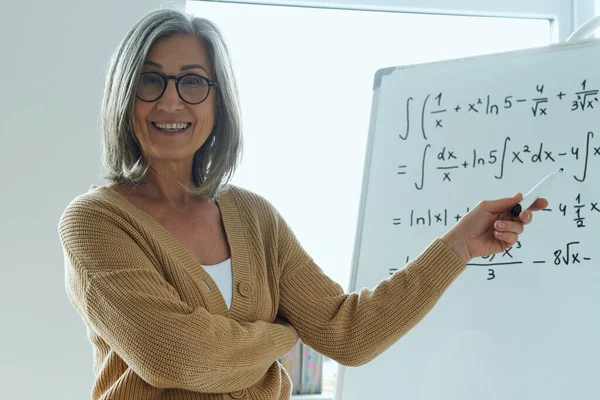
215 162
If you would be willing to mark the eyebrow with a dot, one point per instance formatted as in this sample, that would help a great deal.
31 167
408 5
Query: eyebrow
183 68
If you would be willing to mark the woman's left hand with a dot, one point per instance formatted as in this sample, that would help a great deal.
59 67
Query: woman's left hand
490 228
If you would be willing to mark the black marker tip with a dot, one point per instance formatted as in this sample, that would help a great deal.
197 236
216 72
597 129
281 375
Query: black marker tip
516 210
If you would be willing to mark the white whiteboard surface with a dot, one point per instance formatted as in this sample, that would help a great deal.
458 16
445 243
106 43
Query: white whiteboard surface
444 136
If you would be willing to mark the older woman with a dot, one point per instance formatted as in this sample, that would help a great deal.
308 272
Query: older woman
192 288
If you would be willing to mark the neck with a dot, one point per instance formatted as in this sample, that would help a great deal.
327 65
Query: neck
167 185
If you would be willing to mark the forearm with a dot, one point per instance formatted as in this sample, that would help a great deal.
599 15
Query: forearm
171 346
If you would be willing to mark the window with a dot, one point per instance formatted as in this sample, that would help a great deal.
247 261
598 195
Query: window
305 78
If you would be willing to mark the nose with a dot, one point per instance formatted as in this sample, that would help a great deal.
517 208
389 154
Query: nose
170 100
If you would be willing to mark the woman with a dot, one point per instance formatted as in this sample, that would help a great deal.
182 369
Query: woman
192 288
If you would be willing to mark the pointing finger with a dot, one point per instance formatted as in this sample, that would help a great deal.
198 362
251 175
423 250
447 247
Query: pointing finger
539 204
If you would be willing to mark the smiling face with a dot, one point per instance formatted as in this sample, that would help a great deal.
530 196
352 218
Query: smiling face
185 127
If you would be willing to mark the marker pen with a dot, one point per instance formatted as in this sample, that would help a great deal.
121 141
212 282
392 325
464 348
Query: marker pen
535 193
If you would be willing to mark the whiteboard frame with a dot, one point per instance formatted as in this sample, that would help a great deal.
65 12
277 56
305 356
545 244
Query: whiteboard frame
564 15
379 74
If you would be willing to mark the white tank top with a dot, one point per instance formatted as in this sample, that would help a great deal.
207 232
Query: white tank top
222 274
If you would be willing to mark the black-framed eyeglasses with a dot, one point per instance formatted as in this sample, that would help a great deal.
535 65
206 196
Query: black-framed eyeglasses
192 88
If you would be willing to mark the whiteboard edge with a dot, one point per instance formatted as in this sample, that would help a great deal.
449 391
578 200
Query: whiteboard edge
379 74
553 47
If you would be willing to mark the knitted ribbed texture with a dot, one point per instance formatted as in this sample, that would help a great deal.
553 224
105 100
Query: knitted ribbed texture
160 328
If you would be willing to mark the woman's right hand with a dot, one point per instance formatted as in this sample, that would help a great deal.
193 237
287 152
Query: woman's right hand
281 321
490 228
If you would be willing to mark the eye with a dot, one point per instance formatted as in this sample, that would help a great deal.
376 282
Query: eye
193 81
150 79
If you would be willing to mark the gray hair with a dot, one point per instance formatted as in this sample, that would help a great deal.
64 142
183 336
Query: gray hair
215 162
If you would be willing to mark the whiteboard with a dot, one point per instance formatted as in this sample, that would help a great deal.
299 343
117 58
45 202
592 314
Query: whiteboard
522 324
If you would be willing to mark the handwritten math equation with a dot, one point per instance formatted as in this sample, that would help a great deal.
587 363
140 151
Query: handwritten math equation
430 163
579 210
435 109
450 161
568 255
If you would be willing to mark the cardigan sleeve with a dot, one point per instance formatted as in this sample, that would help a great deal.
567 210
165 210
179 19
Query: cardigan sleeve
113 284
353 328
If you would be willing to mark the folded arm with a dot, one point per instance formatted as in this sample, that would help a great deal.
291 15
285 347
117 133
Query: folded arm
117 289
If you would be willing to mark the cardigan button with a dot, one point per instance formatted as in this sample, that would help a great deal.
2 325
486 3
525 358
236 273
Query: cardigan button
245 289
239 394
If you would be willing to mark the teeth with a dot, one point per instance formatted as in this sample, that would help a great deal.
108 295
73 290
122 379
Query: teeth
172 126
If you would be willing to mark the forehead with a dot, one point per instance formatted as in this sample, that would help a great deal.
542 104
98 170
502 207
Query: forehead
174 51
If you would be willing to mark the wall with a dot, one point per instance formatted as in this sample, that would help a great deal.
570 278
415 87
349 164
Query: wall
52 66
